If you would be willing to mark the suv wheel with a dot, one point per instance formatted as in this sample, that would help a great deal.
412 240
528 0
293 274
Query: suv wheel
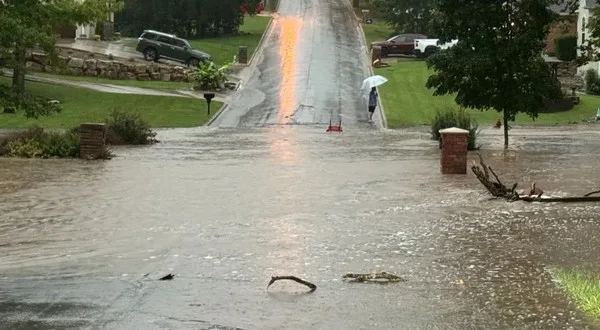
193 62
150 54
384 52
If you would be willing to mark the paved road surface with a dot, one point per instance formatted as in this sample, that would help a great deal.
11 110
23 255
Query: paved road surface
309 72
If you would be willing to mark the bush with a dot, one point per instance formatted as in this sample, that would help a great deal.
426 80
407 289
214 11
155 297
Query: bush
32 106
128 128
455 118
209 76
566 47
36 143
592 82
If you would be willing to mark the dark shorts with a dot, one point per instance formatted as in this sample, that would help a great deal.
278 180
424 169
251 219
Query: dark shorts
371 109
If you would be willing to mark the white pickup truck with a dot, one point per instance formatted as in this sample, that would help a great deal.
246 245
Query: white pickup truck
426 47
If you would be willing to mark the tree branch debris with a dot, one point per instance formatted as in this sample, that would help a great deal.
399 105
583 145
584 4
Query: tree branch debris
292 278
498 189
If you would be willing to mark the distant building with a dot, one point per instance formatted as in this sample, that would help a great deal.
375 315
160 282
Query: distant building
567 25
83 31
584 13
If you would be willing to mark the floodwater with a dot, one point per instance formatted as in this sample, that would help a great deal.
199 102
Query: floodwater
82 244
226 209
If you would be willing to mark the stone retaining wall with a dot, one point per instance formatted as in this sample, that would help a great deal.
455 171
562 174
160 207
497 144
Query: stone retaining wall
110 69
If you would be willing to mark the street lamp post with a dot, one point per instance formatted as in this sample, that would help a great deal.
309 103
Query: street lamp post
208 97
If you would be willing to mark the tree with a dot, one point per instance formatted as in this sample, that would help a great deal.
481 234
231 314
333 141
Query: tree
496 63
186 18
29 24
408 15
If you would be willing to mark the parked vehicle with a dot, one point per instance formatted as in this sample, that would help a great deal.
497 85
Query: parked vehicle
426 47
155 45
259 8
399 44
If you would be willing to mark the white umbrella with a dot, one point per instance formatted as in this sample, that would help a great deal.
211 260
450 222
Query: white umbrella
373 81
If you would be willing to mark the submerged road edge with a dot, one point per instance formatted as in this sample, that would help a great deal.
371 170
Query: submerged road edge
259 48
217 114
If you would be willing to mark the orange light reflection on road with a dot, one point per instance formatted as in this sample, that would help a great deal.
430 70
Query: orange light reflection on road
289 30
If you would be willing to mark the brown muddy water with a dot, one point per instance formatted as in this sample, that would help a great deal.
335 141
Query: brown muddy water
227 209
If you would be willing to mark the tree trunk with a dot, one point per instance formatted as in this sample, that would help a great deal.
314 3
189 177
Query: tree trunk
18 81
505 115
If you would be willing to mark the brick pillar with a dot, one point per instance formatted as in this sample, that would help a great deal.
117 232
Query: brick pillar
92 137
375 54
243 55
454 150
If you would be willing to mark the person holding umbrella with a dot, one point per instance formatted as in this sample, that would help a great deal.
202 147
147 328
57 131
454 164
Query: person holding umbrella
372 83
372 102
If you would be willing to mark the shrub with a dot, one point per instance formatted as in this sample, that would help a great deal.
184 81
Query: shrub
592 82
455 118
566 47
32 106
36 143
208 76
128 128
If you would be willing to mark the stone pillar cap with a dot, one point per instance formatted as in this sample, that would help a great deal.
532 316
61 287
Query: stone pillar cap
453 130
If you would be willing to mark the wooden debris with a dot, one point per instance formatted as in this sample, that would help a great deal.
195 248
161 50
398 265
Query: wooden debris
498 189
167 277
373 277
292 278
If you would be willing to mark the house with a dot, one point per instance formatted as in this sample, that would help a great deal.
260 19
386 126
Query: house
566 25
584 13
89 31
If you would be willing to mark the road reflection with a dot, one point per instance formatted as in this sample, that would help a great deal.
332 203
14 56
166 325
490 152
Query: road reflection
289 31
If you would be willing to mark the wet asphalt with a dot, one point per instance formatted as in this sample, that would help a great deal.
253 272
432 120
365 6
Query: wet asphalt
265 191
309 72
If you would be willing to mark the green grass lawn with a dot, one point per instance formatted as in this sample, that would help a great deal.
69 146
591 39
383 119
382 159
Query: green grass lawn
83 105
584 288
377 31
222 49
152 84
407 102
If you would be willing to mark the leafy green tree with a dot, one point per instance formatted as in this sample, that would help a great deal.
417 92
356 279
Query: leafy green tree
29 24
186 18
408 15
497 62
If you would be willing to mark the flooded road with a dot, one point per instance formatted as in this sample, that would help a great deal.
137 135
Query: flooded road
226 209
309 72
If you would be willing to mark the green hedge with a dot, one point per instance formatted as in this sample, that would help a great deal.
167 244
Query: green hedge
566 47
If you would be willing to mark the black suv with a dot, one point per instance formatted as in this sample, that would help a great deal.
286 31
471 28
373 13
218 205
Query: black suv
156 45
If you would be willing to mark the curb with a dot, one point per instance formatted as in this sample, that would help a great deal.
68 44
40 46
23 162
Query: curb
380 108
261 41
216 115
247 65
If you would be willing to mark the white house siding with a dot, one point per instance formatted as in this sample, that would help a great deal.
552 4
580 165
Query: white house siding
583 33
90 30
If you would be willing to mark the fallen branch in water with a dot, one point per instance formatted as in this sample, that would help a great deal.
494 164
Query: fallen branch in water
292 278
561 199
373 277
495 187
498 189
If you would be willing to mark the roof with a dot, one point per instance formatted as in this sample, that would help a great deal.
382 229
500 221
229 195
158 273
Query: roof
559 9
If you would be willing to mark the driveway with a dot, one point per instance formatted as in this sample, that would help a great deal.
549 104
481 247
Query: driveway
309 71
